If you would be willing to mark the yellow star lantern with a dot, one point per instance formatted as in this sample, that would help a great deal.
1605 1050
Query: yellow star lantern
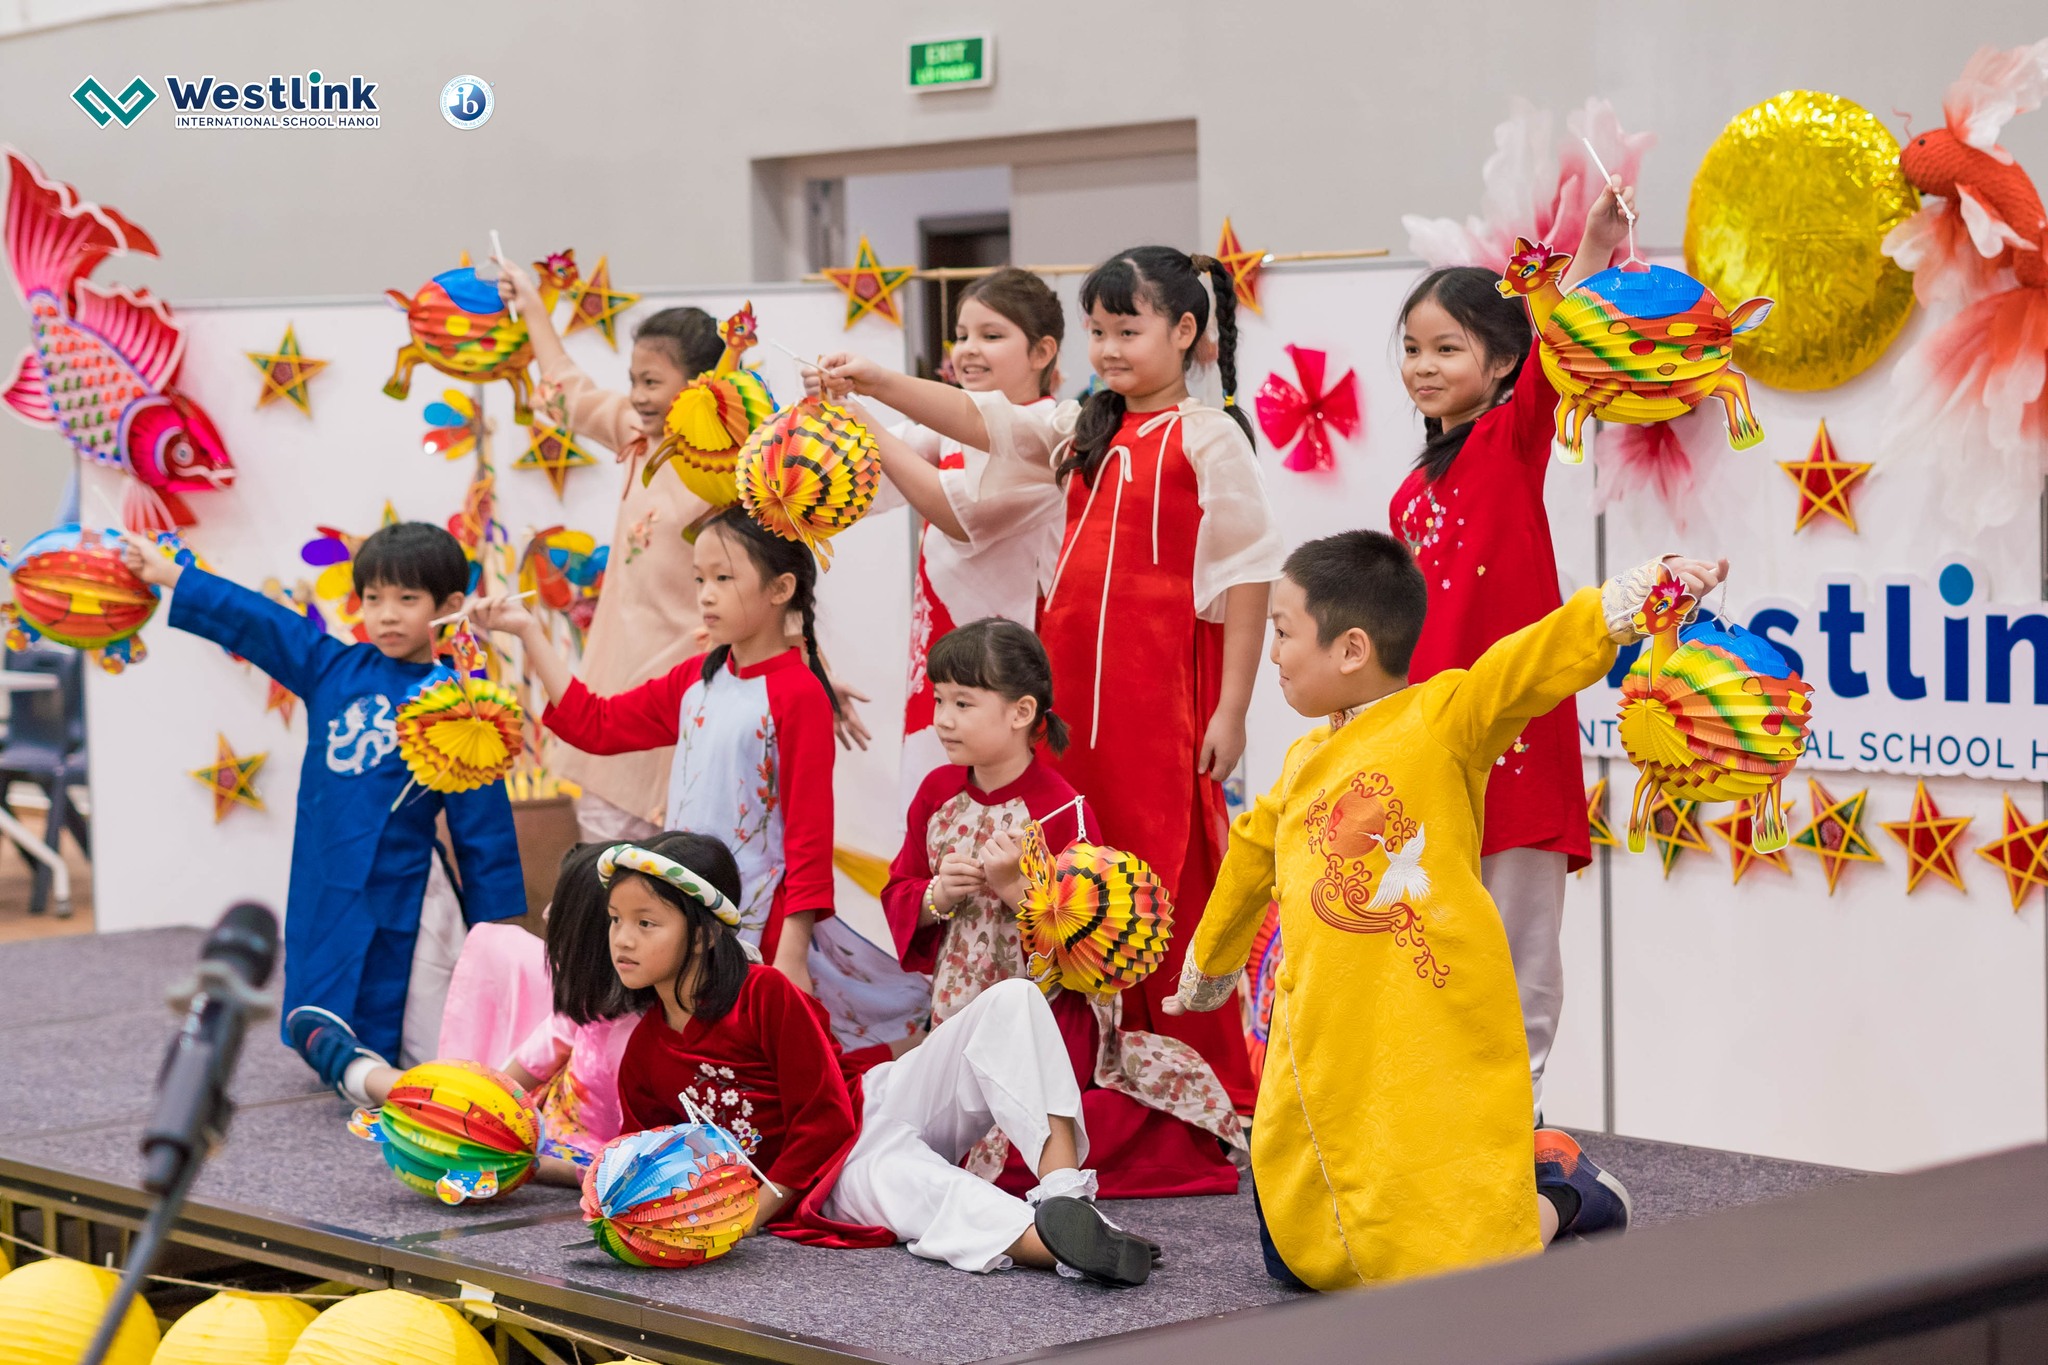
231 777
1738 830
286 373
1674 827
869 285
2022 855
1835 835
1243 266
594 303
1930 840
554 452
1824 480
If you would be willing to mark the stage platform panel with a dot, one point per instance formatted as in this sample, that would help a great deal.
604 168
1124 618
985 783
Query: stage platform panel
92 976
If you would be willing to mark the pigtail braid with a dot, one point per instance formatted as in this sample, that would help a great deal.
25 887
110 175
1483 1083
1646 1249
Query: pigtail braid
714 662
1100 417
1225 290
811 655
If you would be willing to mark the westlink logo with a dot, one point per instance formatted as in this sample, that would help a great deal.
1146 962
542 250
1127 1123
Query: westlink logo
306 101
103 108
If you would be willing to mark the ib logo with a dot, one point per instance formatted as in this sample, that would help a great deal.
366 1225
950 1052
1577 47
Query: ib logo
466 102
103 107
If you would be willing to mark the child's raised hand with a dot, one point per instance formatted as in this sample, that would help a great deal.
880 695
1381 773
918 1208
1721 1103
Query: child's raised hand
1699 576
498 612
1607 221
516 287
1001 857
845 372
148 563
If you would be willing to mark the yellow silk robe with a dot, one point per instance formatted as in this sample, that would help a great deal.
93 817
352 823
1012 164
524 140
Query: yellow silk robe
1393 1136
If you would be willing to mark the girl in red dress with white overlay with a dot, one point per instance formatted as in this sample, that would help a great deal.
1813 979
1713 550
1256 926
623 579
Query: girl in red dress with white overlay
1472 511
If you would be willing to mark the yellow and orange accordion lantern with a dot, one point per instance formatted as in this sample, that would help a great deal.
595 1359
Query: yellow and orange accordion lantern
674 1197
712 417
458 733
454 1130
809 473
1092 919
1710 712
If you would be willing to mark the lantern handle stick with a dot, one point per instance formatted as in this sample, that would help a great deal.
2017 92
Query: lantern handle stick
498 255
1607 178
698 1114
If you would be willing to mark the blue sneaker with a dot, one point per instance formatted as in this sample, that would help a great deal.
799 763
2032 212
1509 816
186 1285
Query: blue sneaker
1589 1200
326 1042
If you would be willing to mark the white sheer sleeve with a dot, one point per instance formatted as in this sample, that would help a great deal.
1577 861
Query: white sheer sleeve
1010 489
1239 541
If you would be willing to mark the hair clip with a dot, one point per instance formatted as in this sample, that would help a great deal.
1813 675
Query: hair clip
634 858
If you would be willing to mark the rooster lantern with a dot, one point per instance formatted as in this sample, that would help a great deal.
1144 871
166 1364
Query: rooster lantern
713 416
1710 712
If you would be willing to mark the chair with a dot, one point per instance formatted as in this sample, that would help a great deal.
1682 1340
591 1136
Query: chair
45 745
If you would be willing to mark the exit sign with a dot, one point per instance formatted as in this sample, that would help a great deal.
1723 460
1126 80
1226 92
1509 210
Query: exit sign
953 63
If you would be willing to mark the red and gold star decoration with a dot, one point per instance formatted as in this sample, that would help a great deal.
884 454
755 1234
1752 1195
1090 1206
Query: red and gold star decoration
1736 829
1835 835
869 285
1930 840
554 452
285 373
1674 828
1824 480
1597 828
231 777
1243 266
2022 855
594 303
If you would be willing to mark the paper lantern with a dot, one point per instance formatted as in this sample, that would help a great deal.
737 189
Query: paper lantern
71 586
462 328
809 473
391 1327
1710 712
712 417
1636 343
454 1130
236 1329
50 1308
1093 919
458 733
673 1197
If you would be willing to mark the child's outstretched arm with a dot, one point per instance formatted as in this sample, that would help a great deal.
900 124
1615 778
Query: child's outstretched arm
1477 714
1237 906
644 717
1606 229
587 410
945 409
284 644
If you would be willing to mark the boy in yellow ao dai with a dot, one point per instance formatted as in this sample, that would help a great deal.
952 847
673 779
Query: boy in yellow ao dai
1392 1136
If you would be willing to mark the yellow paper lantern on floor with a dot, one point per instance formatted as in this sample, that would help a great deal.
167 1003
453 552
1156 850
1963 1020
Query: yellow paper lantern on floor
49 1308
391 1327
236 1329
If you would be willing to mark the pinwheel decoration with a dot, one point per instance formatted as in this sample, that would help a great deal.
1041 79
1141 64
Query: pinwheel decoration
809 473
673 1197
454 1130
452 434
564 570
1308 413
1094 919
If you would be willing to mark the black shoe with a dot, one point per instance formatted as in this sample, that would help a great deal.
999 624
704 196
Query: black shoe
1081 1239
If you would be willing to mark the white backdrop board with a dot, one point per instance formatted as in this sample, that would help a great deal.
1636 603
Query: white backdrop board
161 857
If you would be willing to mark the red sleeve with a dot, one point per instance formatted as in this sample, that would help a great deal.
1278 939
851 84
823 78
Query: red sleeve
644 717
816 1109
803 767
917 946
1532 414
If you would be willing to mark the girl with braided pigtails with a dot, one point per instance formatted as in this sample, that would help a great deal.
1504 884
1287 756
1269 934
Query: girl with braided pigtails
751 722
1155 611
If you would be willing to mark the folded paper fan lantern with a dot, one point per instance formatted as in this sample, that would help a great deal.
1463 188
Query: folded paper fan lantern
454 1130
236 1329
1093 919
809 473
50 1308
675 1197
391 1327
458 734
1710 712
712 417
71 586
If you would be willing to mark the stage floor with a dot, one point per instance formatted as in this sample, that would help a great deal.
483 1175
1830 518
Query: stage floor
82 1029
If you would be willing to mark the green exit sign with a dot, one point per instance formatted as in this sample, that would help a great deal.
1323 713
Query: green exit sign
953 63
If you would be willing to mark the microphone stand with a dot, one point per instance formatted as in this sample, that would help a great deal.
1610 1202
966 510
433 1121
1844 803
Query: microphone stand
175 1158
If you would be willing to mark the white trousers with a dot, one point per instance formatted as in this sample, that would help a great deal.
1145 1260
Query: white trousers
1527 884
998 1063
433 965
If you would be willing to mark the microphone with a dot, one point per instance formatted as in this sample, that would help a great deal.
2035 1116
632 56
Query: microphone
219 1000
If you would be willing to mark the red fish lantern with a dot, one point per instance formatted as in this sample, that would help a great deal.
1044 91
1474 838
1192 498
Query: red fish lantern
102 361
462 328
72 586
1633 345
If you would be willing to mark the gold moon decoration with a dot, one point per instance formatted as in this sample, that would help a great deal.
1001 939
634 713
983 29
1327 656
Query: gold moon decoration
1793 202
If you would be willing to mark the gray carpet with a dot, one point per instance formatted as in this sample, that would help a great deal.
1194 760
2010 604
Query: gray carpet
90 976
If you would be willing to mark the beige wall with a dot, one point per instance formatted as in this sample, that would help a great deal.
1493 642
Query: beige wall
633 129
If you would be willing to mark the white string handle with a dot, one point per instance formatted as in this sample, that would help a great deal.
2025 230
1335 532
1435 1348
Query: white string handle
698 1114
1607 178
